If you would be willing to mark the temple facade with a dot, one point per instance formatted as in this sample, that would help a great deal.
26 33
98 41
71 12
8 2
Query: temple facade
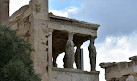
52 35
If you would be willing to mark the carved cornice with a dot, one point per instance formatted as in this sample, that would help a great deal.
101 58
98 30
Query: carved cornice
134 58
109 64
73 22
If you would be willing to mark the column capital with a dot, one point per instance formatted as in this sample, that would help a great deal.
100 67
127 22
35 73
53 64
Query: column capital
71 33
92 37
79 44
70 36
50 30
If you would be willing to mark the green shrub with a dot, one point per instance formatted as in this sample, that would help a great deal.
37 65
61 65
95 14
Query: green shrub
15 61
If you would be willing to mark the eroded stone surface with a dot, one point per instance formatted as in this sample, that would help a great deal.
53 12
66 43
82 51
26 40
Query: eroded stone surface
121 71
4 11
74 75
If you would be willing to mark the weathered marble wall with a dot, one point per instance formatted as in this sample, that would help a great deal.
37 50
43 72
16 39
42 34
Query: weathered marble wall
29 23
121 71
74 75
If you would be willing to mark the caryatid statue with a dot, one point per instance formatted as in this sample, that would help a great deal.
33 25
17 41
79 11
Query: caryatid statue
69 52
78 56
92 53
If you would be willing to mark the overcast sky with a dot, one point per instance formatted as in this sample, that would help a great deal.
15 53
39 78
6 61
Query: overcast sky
117 35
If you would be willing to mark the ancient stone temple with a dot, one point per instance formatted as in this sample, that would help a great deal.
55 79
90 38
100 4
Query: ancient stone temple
52 35
121 71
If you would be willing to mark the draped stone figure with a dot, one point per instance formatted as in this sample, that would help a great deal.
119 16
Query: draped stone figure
55 55
69 52
92 54
78 55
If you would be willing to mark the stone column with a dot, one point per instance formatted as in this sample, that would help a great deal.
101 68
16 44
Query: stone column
78 56
69 52
4 11
50 64
92 53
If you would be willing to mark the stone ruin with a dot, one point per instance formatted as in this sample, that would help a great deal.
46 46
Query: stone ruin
121 71
50 36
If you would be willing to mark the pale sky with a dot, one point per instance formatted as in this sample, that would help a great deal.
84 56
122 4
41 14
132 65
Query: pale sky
117 35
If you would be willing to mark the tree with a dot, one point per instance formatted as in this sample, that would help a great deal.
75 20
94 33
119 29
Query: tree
15 61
